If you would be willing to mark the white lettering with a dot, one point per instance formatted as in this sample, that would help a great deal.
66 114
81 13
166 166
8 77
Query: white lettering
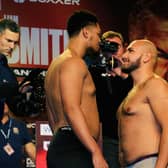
31 125
45 145
29 163
26 72
44 47
42 1
55 41
67 2
39 46
66 38
55 1
62 2
12 17
30 46
15 56
21 72
77 2
45 130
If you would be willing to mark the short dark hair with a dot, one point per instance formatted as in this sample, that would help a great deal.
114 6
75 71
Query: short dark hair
80 19
9 24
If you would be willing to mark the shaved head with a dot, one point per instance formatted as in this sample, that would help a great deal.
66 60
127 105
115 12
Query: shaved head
146 46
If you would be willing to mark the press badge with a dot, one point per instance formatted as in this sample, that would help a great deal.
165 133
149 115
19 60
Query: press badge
8 149
15 130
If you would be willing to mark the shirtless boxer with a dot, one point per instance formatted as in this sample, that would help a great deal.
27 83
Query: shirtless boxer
143 115
71 99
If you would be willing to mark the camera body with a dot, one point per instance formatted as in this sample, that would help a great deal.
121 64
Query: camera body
107 46
107 50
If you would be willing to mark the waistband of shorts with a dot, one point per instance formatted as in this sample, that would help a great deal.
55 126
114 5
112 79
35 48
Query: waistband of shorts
142 158
68 128
65 128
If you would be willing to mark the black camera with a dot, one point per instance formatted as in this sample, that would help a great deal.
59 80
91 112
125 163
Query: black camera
107 50
107 46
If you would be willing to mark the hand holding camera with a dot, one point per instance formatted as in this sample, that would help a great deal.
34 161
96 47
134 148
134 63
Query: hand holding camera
108 58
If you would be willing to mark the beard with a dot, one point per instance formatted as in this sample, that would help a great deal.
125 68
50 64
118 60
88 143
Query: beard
133 66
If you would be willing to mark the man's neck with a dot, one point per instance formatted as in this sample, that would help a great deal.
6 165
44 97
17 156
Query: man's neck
77 48
141 77
5 119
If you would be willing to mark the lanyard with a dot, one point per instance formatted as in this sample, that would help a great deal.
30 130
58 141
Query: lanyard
6 136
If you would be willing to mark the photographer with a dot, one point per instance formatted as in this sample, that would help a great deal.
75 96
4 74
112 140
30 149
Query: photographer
13 133
110 91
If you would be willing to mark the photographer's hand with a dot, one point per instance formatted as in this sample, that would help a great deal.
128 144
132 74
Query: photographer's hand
117 70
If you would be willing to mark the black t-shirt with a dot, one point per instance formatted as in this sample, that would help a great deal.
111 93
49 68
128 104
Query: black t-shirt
8 81
18 137
110 91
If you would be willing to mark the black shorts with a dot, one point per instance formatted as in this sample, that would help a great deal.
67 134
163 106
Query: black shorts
66 151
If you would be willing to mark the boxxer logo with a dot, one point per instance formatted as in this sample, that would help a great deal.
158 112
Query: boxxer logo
62 2
19 1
